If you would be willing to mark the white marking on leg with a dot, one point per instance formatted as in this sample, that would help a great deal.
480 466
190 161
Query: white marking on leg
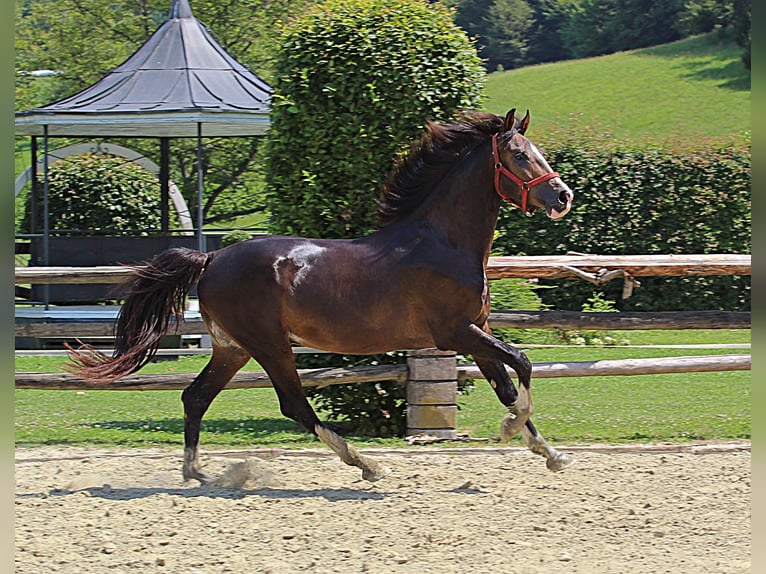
518 415
371 470
554 460
192 469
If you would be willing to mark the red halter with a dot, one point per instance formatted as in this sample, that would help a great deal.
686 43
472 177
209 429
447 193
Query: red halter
524 185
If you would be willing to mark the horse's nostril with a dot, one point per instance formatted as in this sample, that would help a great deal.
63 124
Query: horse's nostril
564 197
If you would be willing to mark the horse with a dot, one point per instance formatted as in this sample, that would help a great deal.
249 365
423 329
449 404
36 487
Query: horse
419 281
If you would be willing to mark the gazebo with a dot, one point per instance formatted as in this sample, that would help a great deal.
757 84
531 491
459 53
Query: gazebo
179 84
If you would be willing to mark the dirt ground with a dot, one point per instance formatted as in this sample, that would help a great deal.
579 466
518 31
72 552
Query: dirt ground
637 510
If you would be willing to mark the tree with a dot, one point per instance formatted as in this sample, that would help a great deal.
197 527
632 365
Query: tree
741 18
545 43
507 24
355 80
729 18
499 26
596 27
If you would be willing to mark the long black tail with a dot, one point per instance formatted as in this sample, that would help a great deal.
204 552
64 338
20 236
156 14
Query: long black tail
156 294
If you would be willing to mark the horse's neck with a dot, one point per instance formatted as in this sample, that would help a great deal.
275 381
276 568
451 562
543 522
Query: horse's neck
464 206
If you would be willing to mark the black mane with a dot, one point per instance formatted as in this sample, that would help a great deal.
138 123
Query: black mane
441 145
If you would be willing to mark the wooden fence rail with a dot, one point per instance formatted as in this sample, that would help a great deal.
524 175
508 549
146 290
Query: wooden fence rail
371 374
543 266
566 320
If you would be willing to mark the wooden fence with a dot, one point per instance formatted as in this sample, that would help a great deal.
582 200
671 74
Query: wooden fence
431 376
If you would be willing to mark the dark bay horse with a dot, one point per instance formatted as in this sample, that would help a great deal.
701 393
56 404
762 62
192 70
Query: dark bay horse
418 282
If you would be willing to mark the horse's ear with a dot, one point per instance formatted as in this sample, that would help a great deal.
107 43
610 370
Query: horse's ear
524 123
510 120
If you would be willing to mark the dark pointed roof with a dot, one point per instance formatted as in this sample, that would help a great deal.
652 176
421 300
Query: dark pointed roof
179 78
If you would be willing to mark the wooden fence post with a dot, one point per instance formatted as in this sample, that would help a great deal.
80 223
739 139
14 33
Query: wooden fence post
432 393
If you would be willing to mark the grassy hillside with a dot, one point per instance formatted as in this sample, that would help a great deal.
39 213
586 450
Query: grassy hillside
690 89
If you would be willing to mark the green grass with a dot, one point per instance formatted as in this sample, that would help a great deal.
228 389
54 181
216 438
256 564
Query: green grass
689 90
652 408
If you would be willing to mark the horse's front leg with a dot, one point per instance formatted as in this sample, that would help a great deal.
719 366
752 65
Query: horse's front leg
519 403
491 356
555 460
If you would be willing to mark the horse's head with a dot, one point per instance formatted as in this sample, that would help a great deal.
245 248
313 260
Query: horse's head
533 184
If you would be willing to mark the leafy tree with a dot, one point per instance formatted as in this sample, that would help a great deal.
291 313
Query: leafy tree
597 27
642 23
355 80
729 18
545 43
499 26
507 24
741 17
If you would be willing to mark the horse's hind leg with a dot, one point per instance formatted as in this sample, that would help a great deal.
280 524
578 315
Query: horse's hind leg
280 366
223 365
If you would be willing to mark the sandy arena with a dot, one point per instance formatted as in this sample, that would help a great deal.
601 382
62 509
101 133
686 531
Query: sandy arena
634 510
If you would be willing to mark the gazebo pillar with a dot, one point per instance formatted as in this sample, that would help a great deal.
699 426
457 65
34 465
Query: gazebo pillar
200 177
164 184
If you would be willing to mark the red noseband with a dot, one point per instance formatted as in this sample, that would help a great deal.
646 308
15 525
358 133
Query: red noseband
524 185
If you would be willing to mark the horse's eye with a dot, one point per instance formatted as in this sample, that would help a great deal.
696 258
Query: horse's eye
521 156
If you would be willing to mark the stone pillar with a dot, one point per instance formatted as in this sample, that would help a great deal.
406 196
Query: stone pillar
432 393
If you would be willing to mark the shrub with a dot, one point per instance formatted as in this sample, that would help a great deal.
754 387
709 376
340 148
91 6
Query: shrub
521 295
100 193
597 303
365 409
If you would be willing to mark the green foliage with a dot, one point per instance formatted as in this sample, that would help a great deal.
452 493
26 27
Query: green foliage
597 27
505 32
518 295
597 303
356 79
100 193
644 201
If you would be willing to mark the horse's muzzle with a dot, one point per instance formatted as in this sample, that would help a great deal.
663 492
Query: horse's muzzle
562 206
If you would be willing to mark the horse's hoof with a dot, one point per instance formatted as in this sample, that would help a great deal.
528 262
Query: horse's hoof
558 462
374 474
203 477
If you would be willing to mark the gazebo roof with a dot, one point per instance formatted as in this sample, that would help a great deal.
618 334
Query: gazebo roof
178 79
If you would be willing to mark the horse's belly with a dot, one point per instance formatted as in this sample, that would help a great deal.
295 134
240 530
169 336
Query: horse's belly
362 334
